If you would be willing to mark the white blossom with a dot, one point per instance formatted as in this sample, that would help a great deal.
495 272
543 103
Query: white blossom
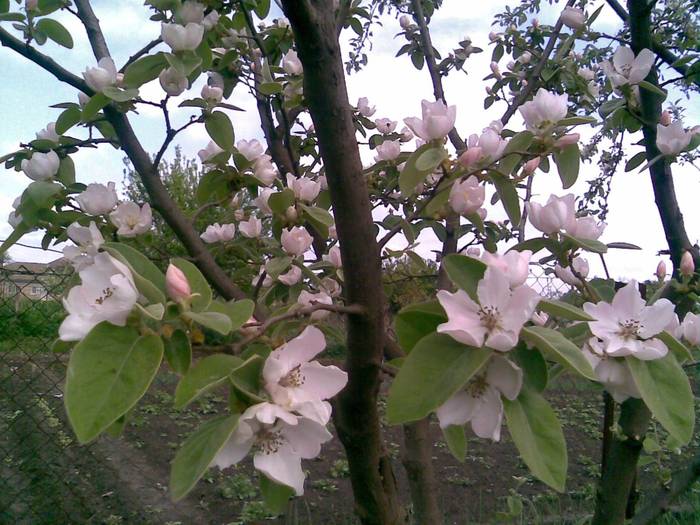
207 154
467 196
101 76
251 228
333 256
218 233
48 133
580 266
363 107
264 170
513 264
191 12
250 149
132 220
182 38
586 228
173 81
496 320
291 63
573 17
479 402
690 328
625 68
88 240
388 150
14 218
261 200
291 276
212 94
309 299
558 214
438 120
385 125
106 293
98 199
296 241
41 166
672 139
614 374
304 188
544 110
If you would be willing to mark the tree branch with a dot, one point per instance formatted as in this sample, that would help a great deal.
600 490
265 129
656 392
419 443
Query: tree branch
141 52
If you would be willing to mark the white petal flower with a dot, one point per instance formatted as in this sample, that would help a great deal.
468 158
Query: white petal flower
102 76
467 196
558 214
106 293
627 326
498 318
251 228
250 149
291 377
182 38
291 63
41 166
14 218
132 220
614 374
210 21
98 199
173 81
309 299
296 241
280 439
514 264
625 68
261 200
48 133
388 150
304 188
690 328
544 110
208 153
333 256
88 240
480 401
364 108
492 145
218 233
672 139
573 17
586 228
438 120
385 125
191 12
291 277
580 265
264 170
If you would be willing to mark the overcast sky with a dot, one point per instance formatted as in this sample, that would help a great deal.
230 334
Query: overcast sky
392 84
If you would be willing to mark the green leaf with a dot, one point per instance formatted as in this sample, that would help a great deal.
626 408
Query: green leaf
178 352
275 495
437 367
653 88
4 6
270 88
665 389
508 194
681 351
198 284
563 310
213 186
149 280
534 367
416 321
197 453
108 372
456 441
93 106
280 201
519 143
15 236
237 311
69 118
559 349
274 267
144 70
220 323
538 436
568 160
465 272
590 245
536 244
623 246
11 17
120 95
319 218
207 373
220 129
419 165
576 121
635 161
247 378
56 32
262 8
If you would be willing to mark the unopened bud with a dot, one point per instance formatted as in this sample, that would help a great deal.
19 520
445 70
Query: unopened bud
531 165
687 264
404 21
494 37
661 270
291 213
176 284
567 140
495 70
470 156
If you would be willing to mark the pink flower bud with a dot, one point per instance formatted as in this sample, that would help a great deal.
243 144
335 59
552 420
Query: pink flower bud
495 70
665 118
531 165
176 284
470 156
687 264
567 140
661 270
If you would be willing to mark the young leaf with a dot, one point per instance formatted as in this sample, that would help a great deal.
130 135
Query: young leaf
416 321
666 391
144 70
437 367
197 453
275 495
508 195
203 376
456 441
419 165
537 434
558 348
563 310
237 311
149 280
108 372
178 352
69 118
220 129
216 321
56 32
568 160
465 272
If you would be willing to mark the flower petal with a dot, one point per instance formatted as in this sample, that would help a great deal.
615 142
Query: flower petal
306 438
505 376
656 318
236 448
322 382
488 415
457 410
628 302
283 467
302 348
651 349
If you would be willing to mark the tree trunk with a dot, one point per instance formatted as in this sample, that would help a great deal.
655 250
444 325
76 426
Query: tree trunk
357 418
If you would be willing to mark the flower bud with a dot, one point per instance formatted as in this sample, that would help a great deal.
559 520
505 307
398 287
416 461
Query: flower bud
661 270
687 264
567 140
470 156
404 21
291 214
176 284
494 37
531 165
495 70
573 17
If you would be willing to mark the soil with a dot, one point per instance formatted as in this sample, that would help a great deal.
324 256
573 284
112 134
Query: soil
128 477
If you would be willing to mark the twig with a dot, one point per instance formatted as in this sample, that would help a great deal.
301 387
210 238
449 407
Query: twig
133 58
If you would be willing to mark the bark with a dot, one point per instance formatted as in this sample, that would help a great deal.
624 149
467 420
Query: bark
621 467
356 418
